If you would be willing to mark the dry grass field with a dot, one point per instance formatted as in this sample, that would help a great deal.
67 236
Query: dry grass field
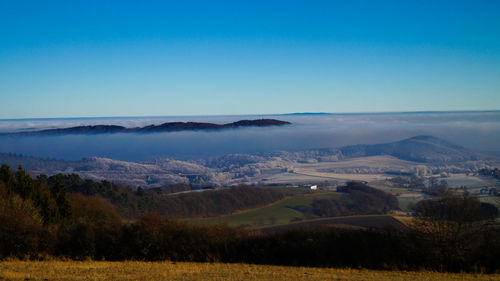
98 270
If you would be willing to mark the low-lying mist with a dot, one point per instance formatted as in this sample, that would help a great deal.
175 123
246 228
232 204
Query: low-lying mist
479 131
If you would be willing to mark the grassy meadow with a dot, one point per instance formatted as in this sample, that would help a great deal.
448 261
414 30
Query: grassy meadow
278 213
406 203
351 222
131 270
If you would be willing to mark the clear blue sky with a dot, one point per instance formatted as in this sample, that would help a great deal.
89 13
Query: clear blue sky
128 58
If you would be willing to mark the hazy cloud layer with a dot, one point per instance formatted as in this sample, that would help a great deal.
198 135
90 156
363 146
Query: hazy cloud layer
476 130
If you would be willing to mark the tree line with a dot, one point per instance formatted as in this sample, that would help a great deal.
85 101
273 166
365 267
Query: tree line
131 203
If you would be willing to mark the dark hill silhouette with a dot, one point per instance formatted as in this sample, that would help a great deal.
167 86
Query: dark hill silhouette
427 149
97 129
165 127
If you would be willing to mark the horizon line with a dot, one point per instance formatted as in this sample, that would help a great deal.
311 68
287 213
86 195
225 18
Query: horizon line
259 114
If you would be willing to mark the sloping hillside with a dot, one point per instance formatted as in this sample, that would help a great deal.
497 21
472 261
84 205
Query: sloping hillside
426 149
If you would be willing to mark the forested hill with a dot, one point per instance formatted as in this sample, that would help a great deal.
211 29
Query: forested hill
165 127
132 203
43 193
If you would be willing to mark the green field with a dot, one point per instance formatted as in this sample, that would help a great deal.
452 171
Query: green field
406 203
351 222
282 212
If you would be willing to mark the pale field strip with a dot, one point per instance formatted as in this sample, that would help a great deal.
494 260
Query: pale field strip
366 162
303 172
133 270
305 176
343 177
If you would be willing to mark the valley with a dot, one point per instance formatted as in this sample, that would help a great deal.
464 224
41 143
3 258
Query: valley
329 167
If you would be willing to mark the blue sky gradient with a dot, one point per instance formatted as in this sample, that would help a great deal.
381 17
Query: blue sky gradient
145 58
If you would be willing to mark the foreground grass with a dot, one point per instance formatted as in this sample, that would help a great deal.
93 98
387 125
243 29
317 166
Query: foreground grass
130 270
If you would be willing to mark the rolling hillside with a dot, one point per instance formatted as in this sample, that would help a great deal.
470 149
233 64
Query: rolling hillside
425 149
353 199
282 212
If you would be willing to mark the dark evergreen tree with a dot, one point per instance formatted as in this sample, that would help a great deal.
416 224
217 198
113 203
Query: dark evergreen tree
58 191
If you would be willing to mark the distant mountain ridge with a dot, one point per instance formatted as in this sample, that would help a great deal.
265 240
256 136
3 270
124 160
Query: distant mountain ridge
165 127
427 149
306 113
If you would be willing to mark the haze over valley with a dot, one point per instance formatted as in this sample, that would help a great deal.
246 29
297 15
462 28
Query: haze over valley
312 148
